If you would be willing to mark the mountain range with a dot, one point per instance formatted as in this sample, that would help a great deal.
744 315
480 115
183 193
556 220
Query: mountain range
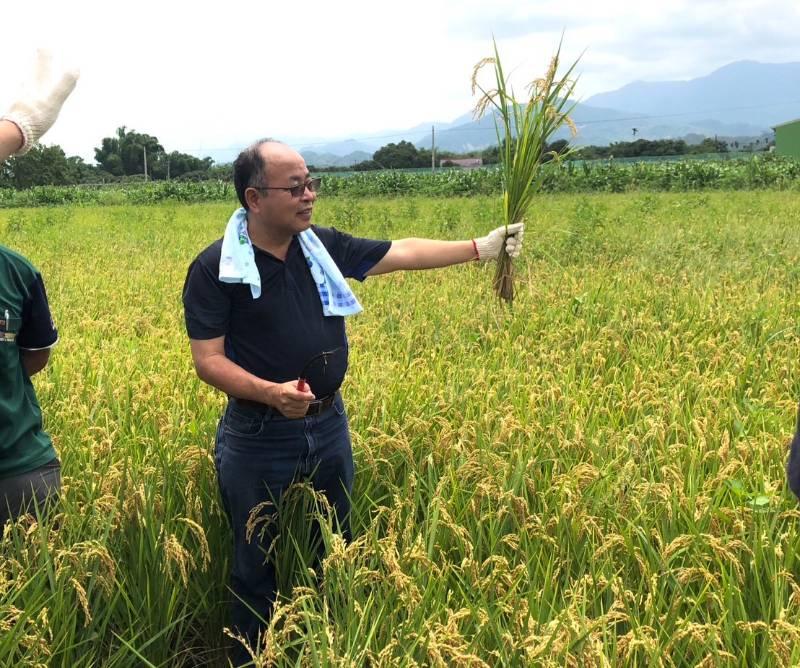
744 99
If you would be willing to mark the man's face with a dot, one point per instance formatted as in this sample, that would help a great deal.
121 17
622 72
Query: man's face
279 210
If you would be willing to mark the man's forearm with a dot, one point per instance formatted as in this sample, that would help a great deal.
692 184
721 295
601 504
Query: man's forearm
10 139
214 367
409 254
34 360
225 375
433 253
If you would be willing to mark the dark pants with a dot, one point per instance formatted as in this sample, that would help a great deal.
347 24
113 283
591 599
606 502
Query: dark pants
26 492
257 457
793 465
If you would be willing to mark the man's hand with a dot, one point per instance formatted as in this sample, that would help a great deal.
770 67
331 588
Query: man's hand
488 247
288 400
214 368
41 99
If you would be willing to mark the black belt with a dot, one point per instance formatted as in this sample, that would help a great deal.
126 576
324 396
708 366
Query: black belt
314 408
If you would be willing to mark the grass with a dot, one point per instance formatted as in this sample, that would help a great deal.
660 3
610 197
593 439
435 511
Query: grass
597 481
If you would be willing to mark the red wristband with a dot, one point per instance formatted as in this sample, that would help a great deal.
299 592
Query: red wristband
475 246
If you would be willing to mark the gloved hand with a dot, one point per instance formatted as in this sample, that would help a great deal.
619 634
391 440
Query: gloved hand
488 247
41 98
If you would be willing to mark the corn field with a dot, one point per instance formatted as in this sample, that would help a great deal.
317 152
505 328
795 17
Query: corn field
766 171
594 478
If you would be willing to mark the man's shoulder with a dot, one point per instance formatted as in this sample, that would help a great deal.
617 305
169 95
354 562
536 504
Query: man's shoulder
324 232
12 261
331 237
210 255
334 239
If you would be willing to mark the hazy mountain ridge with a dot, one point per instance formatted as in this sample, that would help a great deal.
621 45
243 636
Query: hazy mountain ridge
741 99
759 94
333 160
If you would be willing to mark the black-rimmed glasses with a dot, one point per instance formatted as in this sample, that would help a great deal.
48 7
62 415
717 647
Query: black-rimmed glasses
296 191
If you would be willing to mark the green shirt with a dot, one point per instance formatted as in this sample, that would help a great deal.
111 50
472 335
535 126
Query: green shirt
25 324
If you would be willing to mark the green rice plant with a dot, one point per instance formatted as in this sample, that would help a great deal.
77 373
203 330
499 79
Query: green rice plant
523 131
600 482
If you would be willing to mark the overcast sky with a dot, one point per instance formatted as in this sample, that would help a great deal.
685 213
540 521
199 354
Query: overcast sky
206 76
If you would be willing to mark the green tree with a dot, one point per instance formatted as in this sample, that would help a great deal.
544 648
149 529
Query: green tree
42 165
108 156
710 145
398 156
124 155
178 164
365 166
491 155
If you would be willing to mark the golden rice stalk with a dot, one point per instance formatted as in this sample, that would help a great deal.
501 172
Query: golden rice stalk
524 128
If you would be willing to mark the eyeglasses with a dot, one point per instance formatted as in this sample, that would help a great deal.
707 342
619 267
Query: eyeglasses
296 191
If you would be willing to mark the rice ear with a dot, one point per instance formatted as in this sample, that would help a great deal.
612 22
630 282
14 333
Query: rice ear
478 67
484 103
523 132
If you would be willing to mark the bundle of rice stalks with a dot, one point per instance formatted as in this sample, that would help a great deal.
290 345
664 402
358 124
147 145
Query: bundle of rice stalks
523 130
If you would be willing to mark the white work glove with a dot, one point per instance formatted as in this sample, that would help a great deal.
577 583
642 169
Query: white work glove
40 100
488 247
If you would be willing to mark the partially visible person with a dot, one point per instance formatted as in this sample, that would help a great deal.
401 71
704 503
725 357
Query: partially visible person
30 473
11 139
793 465
36 107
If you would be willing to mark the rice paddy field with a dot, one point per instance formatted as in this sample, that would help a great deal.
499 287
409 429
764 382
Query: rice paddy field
594 478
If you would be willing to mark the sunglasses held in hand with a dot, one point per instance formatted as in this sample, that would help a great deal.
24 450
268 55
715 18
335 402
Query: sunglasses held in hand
323 357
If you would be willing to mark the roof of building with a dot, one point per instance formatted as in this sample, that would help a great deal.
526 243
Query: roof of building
780 125
464 162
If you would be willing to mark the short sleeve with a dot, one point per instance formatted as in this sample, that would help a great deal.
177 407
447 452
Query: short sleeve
206 303
354 256
37 330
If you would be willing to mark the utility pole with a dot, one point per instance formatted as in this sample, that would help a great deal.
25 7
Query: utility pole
433 149
144 148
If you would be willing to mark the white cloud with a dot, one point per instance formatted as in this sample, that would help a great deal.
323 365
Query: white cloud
205 76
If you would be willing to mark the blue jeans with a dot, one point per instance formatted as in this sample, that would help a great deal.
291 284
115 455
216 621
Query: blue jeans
257 457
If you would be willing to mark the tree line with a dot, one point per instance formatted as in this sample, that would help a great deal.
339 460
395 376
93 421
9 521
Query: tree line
404 155
119 158
651 148
122 158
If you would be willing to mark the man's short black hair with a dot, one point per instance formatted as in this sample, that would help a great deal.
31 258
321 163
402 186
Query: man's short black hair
250 169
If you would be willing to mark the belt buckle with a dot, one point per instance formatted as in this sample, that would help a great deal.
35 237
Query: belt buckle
317 406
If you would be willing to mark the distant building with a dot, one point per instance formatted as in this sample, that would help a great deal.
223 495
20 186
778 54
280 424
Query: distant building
787 139
466 163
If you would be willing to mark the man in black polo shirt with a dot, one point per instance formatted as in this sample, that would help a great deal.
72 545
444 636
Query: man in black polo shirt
30 473
253 348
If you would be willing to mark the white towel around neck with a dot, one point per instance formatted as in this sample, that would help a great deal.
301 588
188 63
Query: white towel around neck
237 264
